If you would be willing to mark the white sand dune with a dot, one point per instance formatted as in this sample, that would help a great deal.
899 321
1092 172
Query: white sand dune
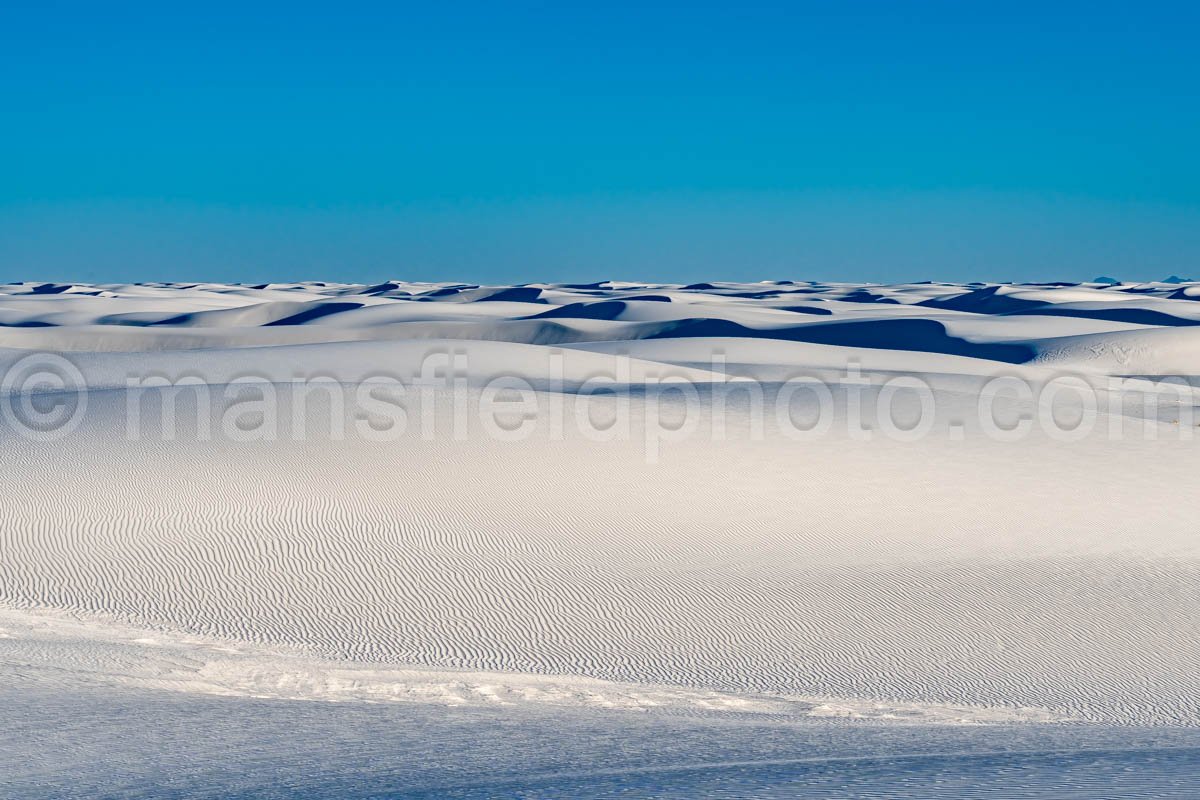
724 568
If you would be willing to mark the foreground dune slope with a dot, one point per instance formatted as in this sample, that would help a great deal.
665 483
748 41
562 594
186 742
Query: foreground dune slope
1042 575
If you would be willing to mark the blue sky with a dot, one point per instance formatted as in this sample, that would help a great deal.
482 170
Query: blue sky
491 142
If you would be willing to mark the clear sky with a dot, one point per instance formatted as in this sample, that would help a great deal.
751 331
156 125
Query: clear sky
501 142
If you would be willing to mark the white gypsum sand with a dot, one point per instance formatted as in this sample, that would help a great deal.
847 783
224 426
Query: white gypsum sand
273 527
